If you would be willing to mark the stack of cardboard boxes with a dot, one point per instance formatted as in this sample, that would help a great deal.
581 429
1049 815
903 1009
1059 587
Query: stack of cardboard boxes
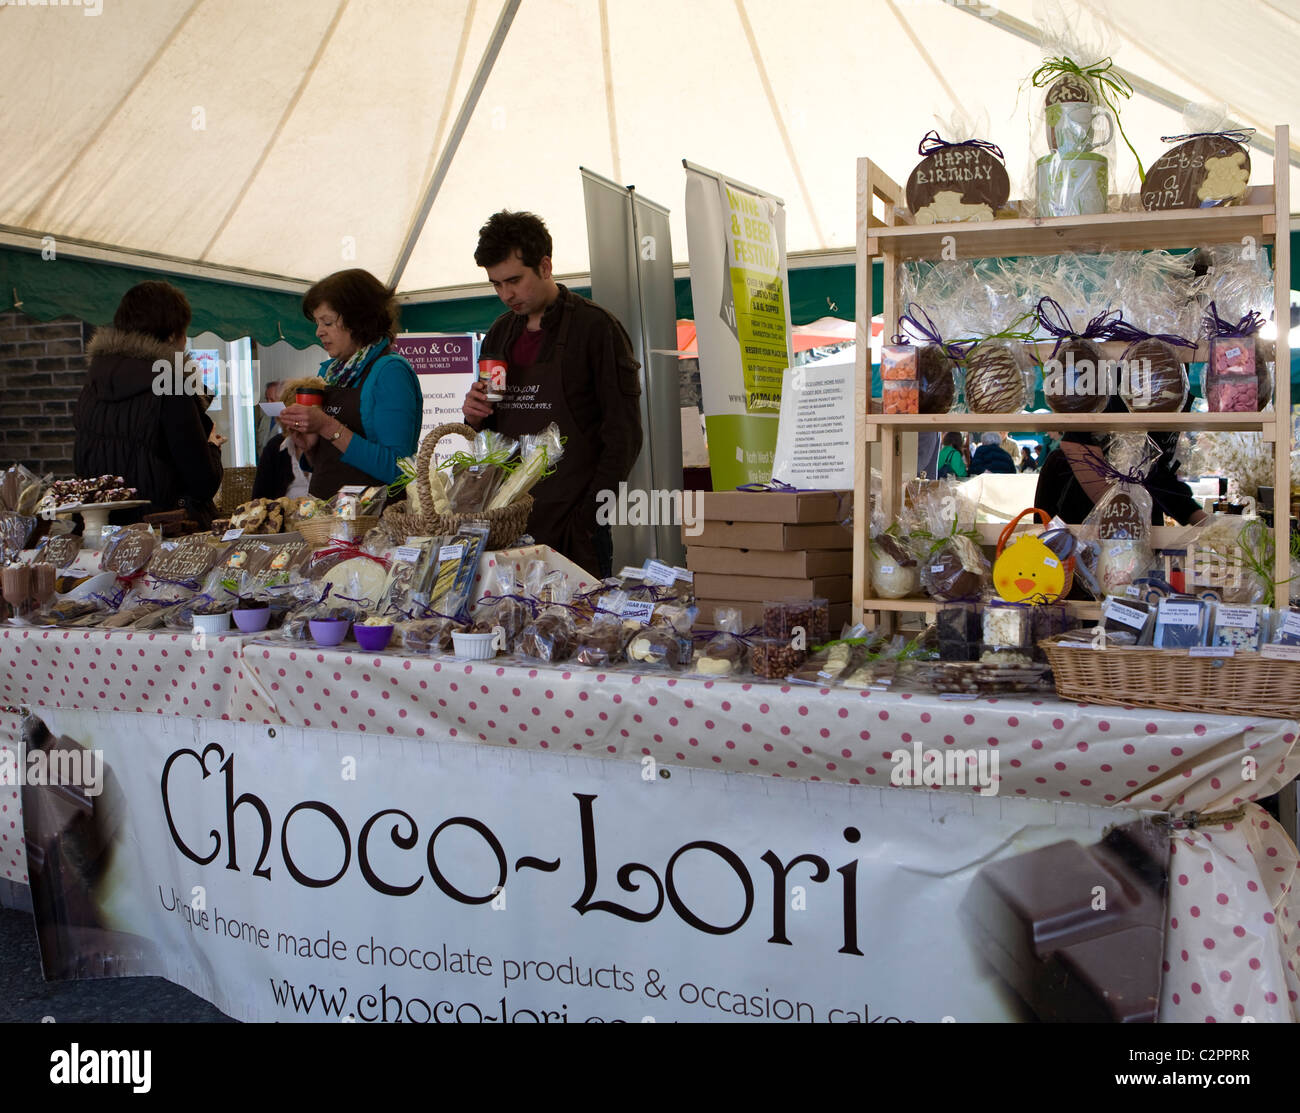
754 547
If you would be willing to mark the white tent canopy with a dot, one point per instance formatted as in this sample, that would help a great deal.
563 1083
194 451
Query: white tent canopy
299 137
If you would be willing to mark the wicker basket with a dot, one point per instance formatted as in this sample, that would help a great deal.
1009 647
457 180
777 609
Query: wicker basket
508 524
235 490
1171 680
320 531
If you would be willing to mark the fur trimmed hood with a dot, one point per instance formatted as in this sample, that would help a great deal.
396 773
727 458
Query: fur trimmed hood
122 363
109 341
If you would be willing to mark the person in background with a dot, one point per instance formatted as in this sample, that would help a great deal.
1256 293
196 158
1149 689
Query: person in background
280 467
1027 461
570 362
991 457
952 461
265 426
144 426
1069 483
373 405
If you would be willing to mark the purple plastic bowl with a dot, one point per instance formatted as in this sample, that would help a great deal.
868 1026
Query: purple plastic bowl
373 639
253 620
328 631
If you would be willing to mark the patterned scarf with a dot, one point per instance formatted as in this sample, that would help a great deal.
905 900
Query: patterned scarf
343 373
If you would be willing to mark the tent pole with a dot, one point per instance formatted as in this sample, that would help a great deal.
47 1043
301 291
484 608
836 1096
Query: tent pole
481 75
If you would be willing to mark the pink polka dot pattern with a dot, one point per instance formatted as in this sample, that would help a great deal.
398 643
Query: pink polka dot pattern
1053 751
1232 948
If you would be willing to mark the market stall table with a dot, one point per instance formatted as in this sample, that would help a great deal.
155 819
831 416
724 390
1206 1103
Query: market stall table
1232 939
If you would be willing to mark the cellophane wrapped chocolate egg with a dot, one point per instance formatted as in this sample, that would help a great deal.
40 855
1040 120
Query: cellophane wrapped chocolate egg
1153 378
996 374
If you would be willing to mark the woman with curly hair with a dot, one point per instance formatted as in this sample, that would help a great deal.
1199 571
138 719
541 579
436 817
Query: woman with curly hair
372 409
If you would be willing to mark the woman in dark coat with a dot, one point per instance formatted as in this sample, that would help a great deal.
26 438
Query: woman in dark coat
138 417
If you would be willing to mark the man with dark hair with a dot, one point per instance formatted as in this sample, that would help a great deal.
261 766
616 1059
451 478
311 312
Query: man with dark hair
570 362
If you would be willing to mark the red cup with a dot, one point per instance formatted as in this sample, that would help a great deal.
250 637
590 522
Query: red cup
492 374
309 397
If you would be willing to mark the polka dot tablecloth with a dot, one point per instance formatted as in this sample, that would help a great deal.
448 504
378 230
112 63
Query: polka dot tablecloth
1238 877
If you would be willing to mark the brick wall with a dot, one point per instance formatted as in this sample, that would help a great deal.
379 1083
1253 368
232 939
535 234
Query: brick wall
42 370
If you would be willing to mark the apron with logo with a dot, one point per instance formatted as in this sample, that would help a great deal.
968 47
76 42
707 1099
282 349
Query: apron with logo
328 471
563 517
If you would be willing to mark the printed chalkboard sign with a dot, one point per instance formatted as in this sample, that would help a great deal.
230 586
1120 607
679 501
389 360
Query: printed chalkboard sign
1202 172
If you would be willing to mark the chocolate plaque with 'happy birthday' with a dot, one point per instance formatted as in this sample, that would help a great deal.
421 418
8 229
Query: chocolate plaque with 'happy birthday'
1203 172
188 560
956 183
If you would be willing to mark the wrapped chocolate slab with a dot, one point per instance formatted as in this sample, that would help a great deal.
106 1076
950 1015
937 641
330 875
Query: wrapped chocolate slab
476 474
600 641
427 635
1182 622
724 652
1232 557
1036 919
538 455
952 565
503 607
1127 621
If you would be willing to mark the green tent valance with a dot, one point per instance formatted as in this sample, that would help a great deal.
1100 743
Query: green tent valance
91 290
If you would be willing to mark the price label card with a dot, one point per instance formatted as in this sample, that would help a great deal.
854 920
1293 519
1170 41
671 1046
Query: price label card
1132 591
408 553
954 697
1051 562
1246 618
449 552
684 574
232 534
638 610
656 572
1212 651
886 569
1291 624
352 489
1128 616
1281 652
1179 614
935 569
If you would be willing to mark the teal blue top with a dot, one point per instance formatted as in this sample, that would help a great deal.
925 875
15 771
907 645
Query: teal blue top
392 410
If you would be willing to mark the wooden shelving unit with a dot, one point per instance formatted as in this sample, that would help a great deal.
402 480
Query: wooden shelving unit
882 234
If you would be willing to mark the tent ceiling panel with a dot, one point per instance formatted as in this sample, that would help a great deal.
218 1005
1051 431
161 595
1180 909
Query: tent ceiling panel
323 119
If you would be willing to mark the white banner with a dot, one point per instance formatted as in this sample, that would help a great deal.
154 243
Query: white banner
287 874
740 289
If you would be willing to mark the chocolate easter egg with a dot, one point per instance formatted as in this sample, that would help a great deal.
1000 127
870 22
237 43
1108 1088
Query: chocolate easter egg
1120 520
938 379
1204 172
1152 378
957 183
1074 380
995 383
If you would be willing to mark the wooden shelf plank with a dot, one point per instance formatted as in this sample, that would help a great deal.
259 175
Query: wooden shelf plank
1036 422
1127 231
1077 608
